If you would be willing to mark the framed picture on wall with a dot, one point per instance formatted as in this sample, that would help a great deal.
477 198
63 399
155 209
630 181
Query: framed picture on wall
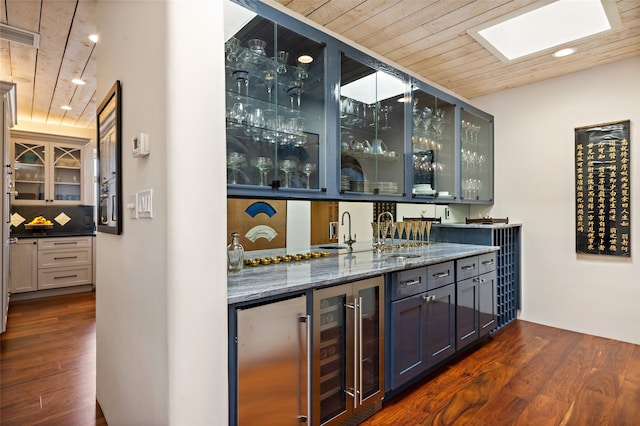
109 125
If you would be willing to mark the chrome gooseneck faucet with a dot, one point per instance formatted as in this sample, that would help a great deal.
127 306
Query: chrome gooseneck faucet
351 240
377 246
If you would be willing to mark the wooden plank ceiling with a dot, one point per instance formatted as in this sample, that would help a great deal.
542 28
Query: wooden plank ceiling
43 76
427 37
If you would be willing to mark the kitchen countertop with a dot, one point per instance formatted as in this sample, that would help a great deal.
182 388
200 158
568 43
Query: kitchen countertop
54 234
264 281
476 225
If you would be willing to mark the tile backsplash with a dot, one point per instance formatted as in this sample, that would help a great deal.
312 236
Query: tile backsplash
79 220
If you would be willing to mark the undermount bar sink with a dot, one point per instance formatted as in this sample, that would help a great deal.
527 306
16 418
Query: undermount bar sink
408 255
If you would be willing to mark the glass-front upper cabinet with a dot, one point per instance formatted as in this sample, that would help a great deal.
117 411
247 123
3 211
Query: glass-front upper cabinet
47 172
433 146
372 138
476 134
274 102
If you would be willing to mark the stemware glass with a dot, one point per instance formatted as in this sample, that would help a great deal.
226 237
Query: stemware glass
231 47
235 160
288 167
421 227
263 164
294 91
374 225
238 113
400 227
385 110
307 169
241 74
283 58
269 80
428 224
384 230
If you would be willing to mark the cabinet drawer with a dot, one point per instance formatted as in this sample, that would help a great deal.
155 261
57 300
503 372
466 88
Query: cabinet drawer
440 274
487 262
467 268
63 243
63 277
52 258
409 282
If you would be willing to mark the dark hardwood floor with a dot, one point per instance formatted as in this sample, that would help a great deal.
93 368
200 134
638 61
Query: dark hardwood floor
48 363
526 374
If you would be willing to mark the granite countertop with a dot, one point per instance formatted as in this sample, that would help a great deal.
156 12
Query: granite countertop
476 225
255 283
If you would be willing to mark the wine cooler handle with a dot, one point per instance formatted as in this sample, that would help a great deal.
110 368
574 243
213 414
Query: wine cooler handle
354 394
309 370
307 320
360 354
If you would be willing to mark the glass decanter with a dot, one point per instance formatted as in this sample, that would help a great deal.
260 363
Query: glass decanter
235 254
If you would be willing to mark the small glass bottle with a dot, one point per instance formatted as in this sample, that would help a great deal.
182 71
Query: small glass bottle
235 254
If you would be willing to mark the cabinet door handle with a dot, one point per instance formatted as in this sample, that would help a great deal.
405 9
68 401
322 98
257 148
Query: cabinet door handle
488 262
59 243
65 276
360 355
411 282
469 267
442 274
428 299
65 257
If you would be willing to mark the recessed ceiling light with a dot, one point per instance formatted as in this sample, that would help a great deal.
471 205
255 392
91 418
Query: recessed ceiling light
78 81
564 52
93 38
305 59
66 107
545 25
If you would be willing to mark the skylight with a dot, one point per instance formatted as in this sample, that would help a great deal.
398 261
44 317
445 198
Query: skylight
545 25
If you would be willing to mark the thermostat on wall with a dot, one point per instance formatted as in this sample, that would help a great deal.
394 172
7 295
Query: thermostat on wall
140 145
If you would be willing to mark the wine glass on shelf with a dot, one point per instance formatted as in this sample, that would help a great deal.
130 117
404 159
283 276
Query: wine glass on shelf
238 113
235 160
263 164
386 109
288 167
269 80
307 169
295 91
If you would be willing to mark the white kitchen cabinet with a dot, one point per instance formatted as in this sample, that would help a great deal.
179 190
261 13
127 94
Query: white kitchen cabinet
23 269
48 168
47 263
64 262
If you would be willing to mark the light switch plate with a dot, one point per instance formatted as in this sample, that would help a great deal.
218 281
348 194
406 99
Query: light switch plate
145 204
133 206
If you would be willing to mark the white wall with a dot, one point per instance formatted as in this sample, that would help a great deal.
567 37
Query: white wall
534 173
161 285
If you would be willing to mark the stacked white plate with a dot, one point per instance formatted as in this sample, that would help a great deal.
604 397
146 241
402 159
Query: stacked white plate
388 187
345 183
423 189
361 186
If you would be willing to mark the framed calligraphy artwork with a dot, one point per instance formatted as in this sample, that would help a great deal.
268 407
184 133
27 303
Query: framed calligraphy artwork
603 191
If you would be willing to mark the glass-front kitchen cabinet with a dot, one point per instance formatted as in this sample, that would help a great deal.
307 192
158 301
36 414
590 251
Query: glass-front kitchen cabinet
433 160
308 116
476 157
275 106
372 137
45 171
